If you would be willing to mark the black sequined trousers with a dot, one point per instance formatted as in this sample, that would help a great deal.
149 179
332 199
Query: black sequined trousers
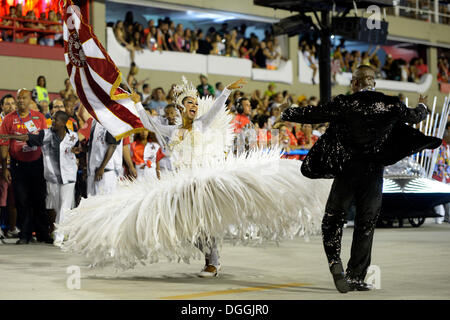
362 183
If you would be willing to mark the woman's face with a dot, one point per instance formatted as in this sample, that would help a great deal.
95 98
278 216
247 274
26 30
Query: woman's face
41 81
190 108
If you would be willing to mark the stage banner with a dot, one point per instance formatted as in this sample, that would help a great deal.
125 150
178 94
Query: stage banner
95 77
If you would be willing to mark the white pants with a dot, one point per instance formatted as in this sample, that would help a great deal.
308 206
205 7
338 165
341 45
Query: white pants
104 186
60 197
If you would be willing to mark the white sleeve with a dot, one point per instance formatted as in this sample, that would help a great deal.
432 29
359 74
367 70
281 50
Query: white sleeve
219 103
155 125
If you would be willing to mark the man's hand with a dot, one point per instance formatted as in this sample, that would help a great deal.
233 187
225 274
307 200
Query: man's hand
237 84
99 174
133 172
423 99
7 175
135 97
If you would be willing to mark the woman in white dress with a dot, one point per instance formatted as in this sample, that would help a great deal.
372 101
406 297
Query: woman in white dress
194 206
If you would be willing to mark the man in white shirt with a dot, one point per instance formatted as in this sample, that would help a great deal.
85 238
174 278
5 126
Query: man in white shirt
104 160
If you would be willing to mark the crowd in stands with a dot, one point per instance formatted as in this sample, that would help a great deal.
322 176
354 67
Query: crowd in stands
393 69
166 35
47 28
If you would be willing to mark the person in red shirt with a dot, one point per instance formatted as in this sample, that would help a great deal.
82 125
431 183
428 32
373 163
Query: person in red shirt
244 109
27 169
287 141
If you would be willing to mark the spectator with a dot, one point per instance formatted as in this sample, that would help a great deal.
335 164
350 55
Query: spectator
8 105
204 43
386 71
132 82
43 107
69 106
366 56
309 55
146 155
243 109
277 100
443 70
305 137
204 88
152 39
178 38
55 106
275 116
260 56
49 39
27 170
273 55
146 95
119 32
7 35
218 47
40 92
286 140
421 67
234 44
189 43
219 89
167 40
158 101
60 164
171 95
32 36
270 90
68 90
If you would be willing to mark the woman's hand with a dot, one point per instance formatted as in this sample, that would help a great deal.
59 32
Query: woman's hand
135 97
237 85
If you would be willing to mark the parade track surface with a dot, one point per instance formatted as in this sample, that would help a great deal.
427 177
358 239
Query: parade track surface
413 263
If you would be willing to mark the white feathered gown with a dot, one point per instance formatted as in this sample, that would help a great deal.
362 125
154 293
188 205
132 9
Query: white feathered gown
143 221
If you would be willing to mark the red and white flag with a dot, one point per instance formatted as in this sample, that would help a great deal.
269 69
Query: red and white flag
96 78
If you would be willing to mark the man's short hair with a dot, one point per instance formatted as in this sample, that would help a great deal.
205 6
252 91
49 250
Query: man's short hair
62 116
170 105
6 96
146 85
360 69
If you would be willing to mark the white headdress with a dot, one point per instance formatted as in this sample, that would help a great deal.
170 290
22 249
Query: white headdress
184 90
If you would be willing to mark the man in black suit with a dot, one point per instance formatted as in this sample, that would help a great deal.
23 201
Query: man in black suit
367 131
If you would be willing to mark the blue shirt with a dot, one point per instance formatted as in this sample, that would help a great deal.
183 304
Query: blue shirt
158 106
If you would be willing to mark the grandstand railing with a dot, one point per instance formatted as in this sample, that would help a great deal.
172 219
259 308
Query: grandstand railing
416 11
15 29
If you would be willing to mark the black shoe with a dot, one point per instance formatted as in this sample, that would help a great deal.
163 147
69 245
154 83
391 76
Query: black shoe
358 285
46 240
22 241
339 278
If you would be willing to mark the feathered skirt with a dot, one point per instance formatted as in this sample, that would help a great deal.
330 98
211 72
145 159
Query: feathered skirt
145 220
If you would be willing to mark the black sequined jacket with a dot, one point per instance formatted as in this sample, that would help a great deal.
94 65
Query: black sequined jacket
366 125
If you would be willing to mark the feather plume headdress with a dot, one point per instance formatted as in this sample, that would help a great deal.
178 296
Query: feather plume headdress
184 90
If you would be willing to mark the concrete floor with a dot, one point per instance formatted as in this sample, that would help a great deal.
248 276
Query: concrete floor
414 264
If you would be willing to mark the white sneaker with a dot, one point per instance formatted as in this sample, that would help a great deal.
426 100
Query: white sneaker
14 233
209 271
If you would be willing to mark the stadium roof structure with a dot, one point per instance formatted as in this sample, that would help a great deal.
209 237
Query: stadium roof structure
320 5
325 8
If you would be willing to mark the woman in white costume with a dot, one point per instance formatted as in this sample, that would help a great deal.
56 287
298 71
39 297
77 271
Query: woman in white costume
194 206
